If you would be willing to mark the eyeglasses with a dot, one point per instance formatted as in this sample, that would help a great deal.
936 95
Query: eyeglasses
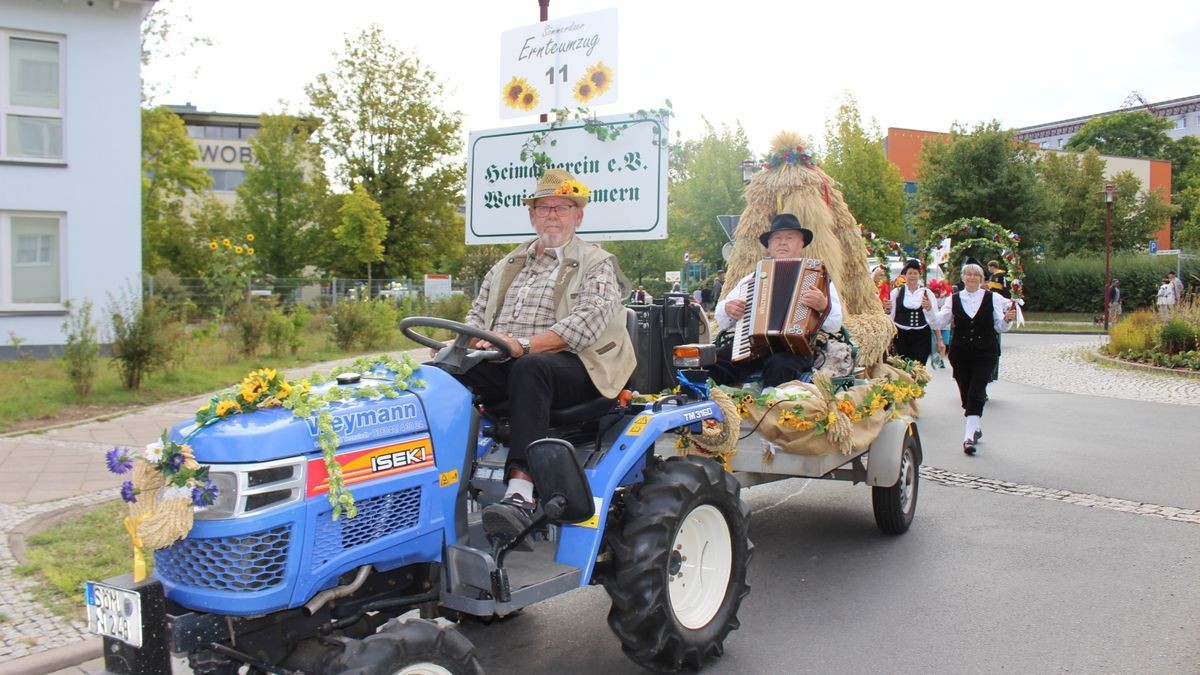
561 210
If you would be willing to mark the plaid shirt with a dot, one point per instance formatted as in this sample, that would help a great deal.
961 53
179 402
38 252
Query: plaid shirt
528 307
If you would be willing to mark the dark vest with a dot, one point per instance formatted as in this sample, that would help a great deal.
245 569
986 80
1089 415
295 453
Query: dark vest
912 318
978 332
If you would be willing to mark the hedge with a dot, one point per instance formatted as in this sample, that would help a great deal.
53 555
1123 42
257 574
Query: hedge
1076 284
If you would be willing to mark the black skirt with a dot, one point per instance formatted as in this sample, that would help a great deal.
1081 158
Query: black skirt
916 344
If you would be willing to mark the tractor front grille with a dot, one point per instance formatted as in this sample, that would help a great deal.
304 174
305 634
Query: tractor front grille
251 562
377 517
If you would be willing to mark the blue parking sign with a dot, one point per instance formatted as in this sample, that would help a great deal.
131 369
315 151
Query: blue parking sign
1153 246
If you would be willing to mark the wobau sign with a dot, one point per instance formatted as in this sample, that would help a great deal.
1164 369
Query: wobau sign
627 176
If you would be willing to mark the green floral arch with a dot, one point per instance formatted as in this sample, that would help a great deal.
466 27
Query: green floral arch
974 236
880 248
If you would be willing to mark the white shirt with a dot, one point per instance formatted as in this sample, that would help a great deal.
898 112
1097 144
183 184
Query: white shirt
912 300
970 304
832 323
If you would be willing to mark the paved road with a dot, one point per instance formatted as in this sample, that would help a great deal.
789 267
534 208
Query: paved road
1068 544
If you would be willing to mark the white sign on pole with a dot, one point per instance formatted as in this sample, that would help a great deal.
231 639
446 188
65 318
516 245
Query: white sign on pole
562 63
673 276
437 286
627 176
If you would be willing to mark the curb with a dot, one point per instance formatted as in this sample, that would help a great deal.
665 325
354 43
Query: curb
55 659
1188 374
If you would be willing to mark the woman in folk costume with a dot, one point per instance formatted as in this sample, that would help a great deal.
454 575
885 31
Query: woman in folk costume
912 308
976 317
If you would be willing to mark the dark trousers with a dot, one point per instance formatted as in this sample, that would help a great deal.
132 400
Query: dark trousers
776 368
532 384
972 369
913 344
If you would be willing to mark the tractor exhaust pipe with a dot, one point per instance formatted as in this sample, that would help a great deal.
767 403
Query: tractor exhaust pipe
321 599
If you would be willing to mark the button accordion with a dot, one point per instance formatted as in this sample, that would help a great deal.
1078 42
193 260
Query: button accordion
775 319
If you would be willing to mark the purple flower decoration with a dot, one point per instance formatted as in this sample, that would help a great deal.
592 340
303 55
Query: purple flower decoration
174 463
118 460
128 493
205 496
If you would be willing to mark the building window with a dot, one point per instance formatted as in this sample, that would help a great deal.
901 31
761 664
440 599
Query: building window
1181 123
31 96
226 180
31 260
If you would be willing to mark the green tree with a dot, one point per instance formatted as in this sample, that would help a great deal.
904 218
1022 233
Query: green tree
871 185
641 260
1134 133
1075 184
384 124
169 176
281 196
1184 155
709 185
983 172
363 228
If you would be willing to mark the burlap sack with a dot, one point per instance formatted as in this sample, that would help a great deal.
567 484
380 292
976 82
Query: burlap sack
788 424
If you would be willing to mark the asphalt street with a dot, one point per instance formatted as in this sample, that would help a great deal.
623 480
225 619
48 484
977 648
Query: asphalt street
1060 575
1068 544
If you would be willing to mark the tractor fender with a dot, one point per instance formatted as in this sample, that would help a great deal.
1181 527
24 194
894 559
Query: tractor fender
622 465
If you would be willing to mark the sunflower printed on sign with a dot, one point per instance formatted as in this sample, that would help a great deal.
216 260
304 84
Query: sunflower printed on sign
515 90
601 77
529 99
584 91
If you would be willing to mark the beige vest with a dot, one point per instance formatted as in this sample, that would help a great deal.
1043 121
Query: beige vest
611 360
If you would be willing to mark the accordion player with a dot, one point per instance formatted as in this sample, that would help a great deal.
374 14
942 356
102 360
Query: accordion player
795 291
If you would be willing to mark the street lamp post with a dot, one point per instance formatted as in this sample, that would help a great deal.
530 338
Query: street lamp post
749 167
1109 189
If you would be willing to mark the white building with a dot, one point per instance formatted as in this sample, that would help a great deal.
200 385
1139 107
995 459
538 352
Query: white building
1184 114
70 162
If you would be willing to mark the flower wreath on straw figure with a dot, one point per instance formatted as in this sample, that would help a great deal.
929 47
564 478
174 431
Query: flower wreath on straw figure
166 482
970 235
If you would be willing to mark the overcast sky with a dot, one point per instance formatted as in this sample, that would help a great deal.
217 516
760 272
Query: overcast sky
771 66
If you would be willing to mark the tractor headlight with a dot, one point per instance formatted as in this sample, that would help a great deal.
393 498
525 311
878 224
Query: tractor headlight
251 489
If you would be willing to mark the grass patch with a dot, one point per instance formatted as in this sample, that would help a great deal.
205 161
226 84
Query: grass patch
93 546
41 390
1051 327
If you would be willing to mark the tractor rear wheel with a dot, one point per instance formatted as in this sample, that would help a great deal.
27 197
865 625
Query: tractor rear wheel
679 564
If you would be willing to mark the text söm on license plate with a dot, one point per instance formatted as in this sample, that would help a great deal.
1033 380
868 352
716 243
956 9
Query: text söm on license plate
114 612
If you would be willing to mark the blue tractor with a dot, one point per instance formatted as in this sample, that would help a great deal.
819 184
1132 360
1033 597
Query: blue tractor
267 581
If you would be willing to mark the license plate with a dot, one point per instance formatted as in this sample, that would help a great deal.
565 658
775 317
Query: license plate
114 612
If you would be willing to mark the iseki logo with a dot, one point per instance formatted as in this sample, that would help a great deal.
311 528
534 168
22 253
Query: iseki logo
400 459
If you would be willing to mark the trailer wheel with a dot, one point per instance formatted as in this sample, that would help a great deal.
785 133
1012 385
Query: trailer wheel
895 506
412 647
679 564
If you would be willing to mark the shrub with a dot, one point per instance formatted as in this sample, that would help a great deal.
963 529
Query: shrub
1135 331
1076 284
141 340
366 324
285 331
82 350
1177 336
250 320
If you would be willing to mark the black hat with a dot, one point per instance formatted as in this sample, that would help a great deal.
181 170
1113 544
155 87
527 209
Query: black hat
786 221
911 264
971 261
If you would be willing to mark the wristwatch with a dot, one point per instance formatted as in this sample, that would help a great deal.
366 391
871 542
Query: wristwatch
524 342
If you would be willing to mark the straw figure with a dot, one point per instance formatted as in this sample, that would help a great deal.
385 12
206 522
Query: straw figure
792 183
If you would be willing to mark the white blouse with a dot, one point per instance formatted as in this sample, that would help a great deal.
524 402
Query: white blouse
912 300
970 304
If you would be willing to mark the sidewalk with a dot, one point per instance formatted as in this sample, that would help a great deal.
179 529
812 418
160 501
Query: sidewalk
58 472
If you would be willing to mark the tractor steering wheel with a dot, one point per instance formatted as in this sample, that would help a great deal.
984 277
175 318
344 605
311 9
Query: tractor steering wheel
457 357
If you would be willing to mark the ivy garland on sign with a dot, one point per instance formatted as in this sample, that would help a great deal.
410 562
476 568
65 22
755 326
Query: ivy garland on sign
266 388
532 148
970 235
